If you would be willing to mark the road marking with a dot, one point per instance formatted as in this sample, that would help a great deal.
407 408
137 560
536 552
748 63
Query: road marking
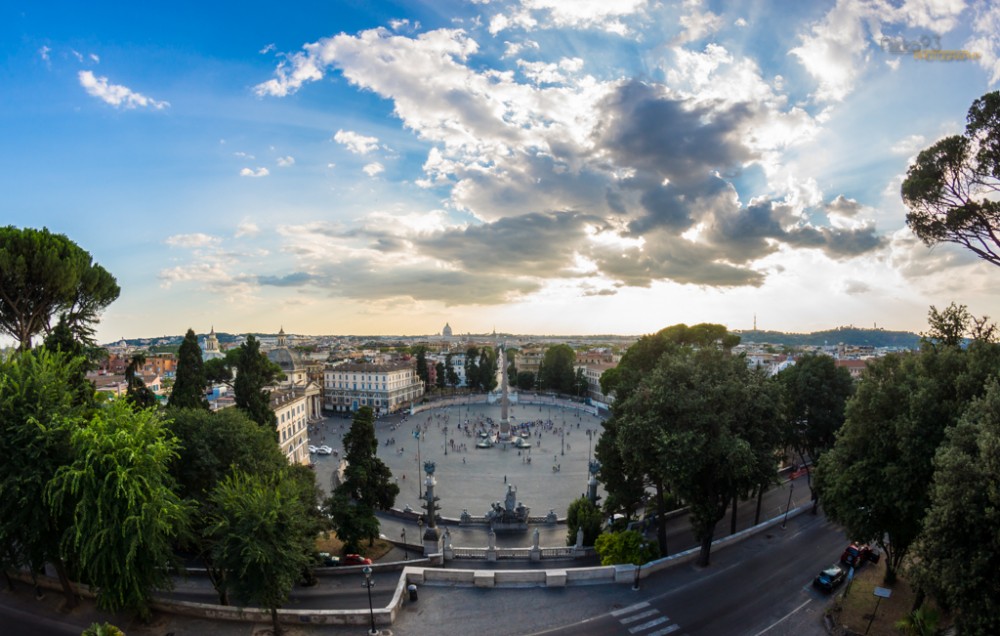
666 630
638 617
645 626
630 608
771 626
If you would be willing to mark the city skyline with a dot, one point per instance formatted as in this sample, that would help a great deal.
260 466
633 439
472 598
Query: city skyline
534 166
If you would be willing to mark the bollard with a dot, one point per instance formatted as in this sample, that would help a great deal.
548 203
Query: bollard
412 589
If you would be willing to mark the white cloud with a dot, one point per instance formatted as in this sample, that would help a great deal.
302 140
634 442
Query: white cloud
196 239
285 162
243 155
77 55
986 38
373 169
94 58
358 144
696 23
259 172
909 145
599 14
267 49
43 52
247 228
115 94
832 51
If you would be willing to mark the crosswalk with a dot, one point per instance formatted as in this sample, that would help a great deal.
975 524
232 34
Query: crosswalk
645 620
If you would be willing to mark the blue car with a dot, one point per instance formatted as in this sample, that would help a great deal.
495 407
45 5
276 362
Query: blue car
830 578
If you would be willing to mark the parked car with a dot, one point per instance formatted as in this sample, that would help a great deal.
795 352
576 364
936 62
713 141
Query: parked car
312 449
355 559
857 554
830 578
324 450
328 560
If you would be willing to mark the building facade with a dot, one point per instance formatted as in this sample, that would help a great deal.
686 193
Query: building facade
386 388
292 412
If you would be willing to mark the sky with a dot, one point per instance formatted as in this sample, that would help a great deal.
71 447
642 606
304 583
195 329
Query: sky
528 166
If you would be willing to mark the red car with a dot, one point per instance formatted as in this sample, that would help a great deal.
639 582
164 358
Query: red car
355 559
856 554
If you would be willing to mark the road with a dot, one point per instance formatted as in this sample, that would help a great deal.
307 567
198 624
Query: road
761 587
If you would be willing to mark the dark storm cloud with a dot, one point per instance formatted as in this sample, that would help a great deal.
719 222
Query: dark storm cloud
645 129
540 244
298 279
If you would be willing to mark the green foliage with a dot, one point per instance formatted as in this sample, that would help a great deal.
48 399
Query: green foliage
451 374
422 363
556 370
875 480
957 556
102 629
487 369
583 514
922 621
190 380
440 375
525 380
951 188
214 445
816 393
627 546
38 414
61 339
262 535
950 326
366 479
125 514
45 275
254 372
138 394
472 379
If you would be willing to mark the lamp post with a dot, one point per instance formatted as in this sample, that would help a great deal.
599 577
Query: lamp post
638 566
420 532
368 584
563 429
406 553
791 487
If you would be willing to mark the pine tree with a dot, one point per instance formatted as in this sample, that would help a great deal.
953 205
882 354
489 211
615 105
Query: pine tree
253 373
190 382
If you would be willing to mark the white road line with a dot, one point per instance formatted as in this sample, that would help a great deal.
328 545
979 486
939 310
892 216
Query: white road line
666 630
630 608
645 626
638 617
771 626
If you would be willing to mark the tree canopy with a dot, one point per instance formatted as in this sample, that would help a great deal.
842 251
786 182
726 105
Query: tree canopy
951 190
190 380
44 276
556 370
254 372
958 552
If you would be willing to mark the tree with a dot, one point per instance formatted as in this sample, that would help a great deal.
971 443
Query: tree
951 190
556 370
38 413
422 364
582 513
440 377
487 368
958 553
137 392
61 340
705 427
190 380
472 368
627 546
367 480
45 275
525 380
816 393
580 384
126 516
875 480
450 371
254 372
261 534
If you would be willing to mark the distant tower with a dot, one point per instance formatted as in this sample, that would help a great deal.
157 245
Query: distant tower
212 342
446 332
755 322
282 340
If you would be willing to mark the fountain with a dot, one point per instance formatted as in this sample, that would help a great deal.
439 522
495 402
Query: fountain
512 515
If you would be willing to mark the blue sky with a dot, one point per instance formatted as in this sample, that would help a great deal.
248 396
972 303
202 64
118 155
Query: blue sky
537 166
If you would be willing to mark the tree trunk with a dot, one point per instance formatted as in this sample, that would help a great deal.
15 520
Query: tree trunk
732 517
661 520
918 599
813 495
274 621
706 550
760 500
71 600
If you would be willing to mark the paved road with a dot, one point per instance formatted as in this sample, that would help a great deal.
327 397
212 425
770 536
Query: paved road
759 588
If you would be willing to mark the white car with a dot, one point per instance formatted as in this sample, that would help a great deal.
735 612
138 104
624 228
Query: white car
324 450
312 449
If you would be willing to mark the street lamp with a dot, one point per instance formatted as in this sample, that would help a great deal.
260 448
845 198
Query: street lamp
563 429
420 530
368 584
406 553
791 487
638 566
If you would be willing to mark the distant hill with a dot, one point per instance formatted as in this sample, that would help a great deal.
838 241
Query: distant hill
832 337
